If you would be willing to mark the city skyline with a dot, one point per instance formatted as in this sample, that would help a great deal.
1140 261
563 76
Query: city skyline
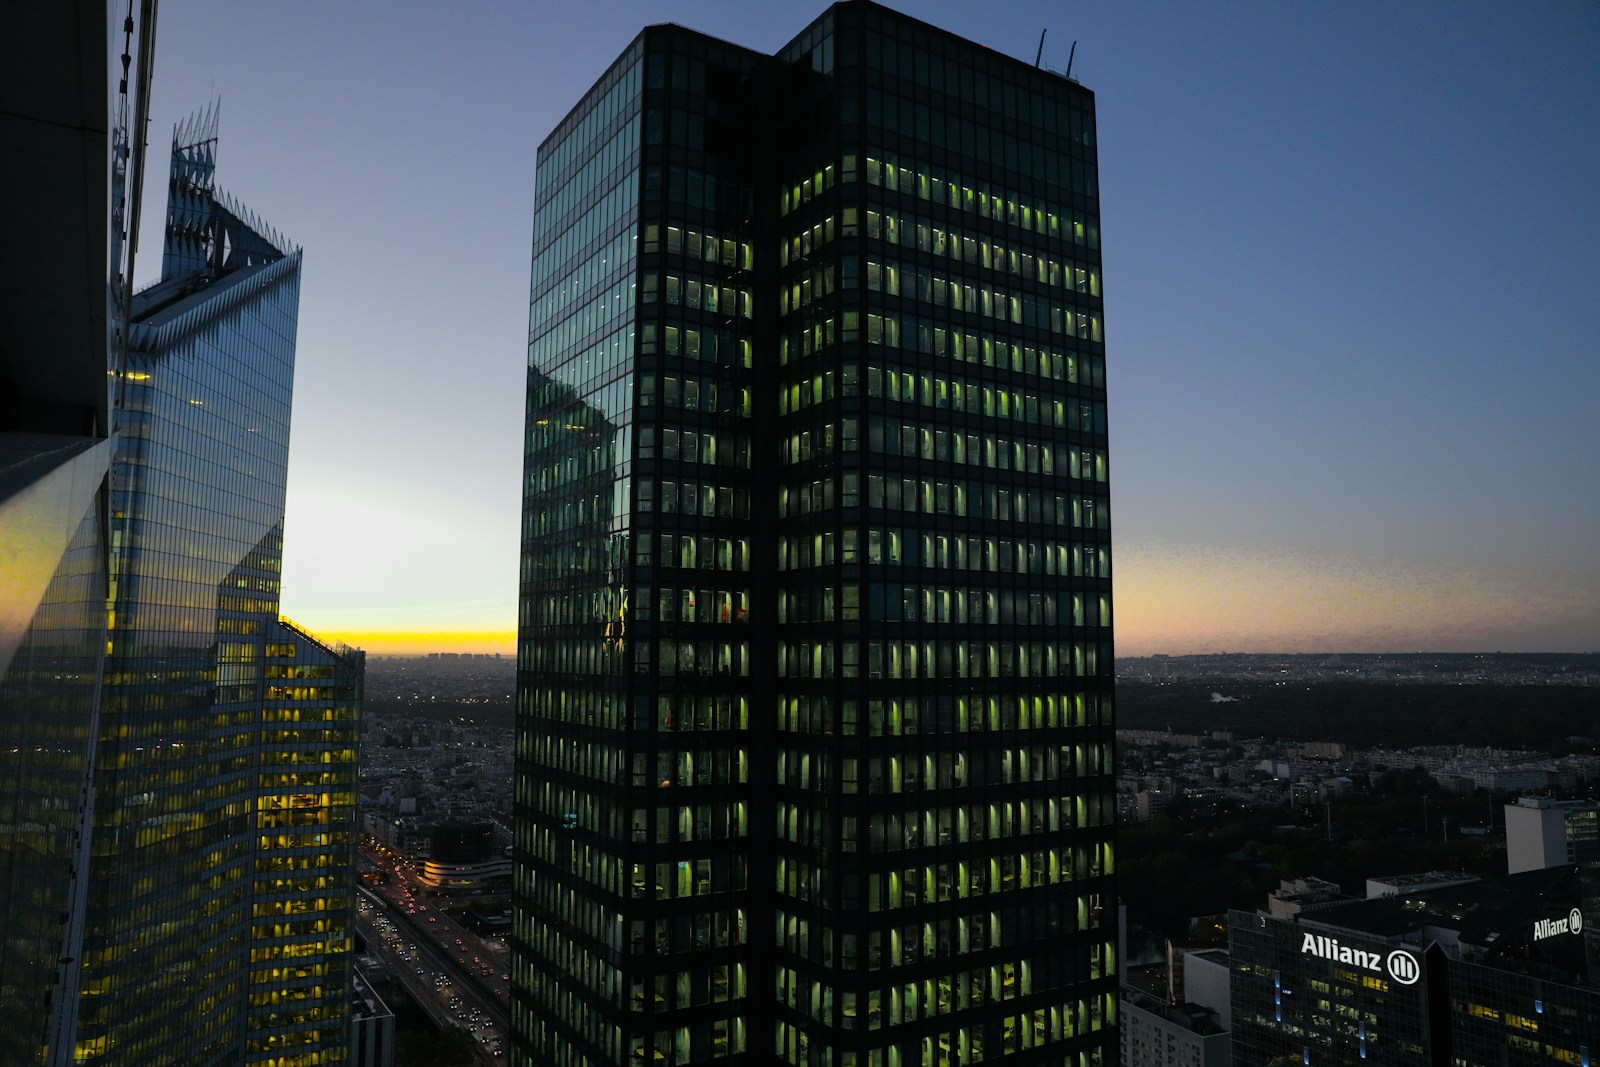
1347 259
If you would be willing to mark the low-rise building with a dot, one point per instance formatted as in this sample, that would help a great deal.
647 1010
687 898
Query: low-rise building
1403 884
1158 1034
1292 896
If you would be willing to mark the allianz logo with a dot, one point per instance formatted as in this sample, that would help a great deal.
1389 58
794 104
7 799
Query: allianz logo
1400 965
1572 924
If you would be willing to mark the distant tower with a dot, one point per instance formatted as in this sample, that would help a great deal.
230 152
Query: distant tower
814 717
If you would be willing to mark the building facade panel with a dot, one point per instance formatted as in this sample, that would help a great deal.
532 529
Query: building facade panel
48 697
575 717
1521 1020
67 262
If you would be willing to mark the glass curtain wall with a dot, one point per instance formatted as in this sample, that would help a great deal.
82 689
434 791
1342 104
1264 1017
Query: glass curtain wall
47 696
815 653
196 512
693 550
302 907
575 735
944 754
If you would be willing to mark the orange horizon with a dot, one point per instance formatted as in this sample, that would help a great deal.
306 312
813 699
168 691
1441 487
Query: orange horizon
409 643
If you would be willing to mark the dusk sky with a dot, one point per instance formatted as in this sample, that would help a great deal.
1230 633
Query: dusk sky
1352 288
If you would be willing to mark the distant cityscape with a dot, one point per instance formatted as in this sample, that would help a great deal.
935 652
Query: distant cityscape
437 732
1293 827
1490 668
1460 668
814 749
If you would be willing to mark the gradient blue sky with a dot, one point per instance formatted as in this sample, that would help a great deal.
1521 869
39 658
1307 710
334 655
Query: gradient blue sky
1352 278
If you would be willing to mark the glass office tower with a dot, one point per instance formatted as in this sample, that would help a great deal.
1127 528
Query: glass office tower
303 886
219 906
177 763
814 721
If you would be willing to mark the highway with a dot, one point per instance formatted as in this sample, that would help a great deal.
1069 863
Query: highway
459 978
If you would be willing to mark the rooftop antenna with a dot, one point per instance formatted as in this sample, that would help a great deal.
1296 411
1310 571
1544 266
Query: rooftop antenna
1072 52
1039 56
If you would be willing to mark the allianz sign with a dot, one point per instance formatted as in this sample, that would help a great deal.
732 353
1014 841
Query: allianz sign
1400 965
1572 924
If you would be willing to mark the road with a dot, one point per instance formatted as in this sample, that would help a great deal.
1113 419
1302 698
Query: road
459 978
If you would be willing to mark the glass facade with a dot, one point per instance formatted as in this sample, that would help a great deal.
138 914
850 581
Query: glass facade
66 259
1295 998
302 890
815 663
1521 1020
217 912
177 775
47 704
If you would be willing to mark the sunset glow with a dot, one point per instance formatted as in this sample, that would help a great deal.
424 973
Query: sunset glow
1181 599
422 642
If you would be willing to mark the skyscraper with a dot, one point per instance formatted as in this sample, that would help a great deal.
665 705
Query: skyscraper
219 911
177 762
814 698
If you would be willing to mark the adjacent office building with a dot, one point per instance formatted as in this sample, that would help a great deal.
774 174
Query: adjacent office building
814 703
1490 971
179 810
464 858
371 1027
67 268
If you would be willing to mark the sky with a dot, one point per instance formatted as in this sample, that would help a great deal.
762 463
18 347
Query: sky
1351 274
